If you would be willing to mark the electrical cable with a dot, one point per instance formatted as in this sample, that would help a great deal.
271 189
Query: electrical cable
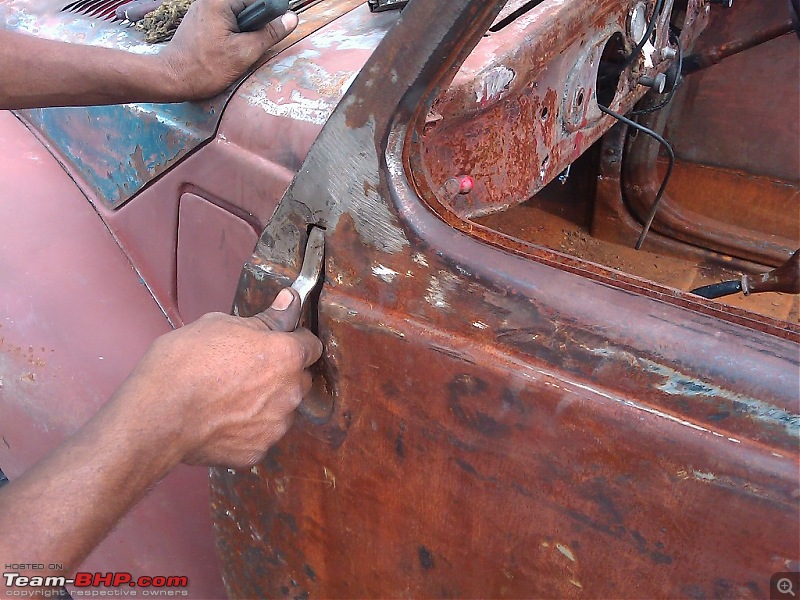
675 84
651 26
637 50
670 152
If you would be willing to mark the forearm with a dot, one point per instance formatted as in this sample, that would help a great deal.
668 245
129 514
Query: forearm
206 55
39 72
220 391
59 510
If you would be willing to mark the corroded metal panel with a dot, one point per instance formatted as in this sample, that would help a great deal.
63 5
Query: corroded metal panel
520 110
451 470
506 422
115 150
732 92
523 107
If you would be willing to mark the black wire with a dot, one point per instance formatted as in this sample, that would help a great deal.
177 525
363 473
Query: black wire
667 175
651 25
648 33
675 84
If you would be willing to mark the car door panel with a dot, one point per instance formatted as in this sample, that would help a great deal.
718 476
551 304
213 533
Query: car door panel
506 421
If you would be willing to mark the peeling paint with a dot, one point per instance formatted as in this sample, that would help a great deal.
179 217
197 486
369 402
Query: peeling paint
76 28
646 409
491 86
699 475
367 40
440 286
679 384
308 110
118 148
385 273
566 551
649 50
435 295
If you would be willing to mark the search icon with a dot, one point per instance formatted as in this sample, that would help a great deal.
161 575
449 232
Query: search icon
785 586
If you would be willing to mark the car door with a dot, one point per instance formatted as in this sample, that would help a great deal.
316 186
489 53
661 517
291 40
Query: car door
490 421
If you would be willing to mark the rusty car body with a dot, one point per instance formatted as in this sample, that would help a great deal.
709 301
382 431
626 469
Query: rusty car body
513 401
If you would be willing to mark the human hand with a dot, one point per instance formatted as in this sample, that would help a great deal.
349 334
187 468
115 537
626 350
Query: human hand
225 388
207 53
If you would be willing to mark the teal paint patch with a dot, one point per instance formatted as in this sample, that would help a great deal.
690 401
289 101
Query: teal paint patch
117 149
675 383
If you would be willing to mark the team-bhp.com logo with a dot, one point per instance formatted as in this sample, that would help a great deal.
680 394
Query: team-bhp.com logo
89 584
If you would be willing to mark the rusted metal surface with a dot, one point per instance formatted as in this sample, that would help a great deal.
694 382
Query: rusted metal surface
613 221
760 204
726 102
507 422
641 179
562 217
735 187
696 121
523 106
443 477
713 56
114 151
74 320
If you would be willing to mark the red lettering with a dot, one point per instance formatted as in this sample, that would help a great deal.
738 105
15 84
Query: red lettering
106 579
159 581
120 578
82 579
144 581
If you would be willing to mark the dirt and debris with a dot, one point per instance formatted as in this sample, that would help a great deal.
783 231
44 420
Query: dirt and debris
160 24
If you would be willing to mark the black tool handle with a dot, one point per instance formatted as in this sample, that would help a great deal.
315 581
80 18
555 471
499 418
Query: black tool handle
261 12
